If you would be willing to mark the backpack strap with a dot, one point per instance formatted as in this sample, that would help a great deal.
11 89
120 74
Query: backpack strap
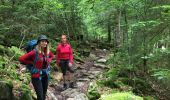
36 57
33 69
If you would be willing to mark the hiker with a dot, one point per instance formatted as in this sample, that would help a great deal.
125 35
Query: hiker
64 59
39 59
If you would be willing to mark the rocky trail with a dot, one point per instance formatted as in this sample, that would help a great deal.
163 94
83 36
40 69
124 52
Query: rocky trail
85 73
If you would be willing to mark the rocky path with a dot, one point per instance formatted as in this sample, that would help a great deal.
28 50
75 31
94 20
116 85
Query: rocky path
94 65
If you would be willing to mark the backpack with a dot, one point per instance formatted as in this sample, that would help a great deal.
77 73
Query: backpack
30 45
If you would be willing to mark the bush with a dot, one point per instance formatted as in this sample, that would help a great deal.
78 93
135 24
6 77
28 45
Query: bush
15 51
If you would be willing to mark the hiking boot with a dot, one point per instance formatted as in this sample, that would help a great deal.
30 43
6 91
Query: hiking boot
71 85
65 86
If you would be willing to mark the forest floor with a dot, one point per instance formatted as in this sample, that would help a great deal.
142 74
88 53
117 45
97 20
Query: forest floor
85 73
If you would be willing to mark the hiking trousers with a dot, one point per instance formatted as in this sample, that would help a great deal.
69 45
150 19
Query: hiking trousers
40 87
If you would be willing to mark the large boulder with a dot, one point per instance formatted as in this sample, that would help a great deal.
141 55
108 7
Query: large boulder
6 90
23 92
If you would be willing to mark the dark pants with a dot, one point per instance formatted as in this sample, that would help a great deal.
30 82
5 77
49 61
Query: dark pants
65 67
40 87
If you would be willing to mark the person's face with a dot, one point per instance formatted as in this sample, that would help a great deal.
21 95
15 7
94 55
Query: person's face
63 39
43 43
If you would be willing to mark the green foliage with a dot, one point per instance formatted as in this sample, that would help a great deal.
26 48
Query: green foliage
25 92
121 96
93 93
162 75
15 51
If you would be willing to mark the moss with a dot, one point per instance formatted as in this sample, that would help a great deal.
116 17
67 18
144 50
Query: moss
121 96
6 87
149 98
25 93
93 93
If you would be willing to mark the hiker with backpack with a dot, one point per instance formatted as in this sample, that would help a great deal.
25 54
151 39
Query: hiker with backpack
37 60
64 59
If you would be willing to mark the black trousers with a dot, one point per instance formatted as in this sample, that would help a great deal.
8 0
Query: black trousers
40 87
65 67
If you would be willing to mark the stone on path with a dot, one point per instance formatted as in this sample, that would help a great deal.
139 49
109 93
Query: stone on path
102 60
51 95
70 99
100 65
95 73
93 56
83 79
81 96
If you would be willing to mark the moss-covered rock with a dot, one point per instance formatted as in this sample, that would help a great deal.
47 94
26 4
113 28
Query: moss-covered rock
6 90
24 93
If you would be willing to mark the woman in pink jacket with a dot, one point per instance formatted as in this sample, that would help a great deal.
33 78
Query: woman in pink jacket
64 59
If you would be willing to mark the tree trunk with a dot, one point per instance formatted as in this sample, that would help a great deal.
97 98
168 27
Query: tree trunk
109 30
119 35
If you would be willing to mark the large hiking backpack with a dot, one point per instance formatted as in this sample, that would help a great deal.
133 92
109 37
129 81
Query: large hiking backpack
30 45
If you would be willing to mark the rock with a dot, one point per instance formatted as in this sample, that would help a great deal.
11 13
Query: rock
51 95
91 76
58 76
80 84
70 99
74 94
85 74
94 72
24 93
83 79
100 65
102 60
81 96
6 90
93 56
104 50
83 71
68 92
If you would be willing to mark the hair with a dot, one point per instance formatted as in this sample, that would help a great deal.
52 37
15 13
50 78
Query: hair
46 50
65 36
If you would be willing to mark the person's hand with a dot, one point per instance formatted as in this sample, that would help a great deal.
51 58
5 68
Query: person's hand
70 64
58 63
48 60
